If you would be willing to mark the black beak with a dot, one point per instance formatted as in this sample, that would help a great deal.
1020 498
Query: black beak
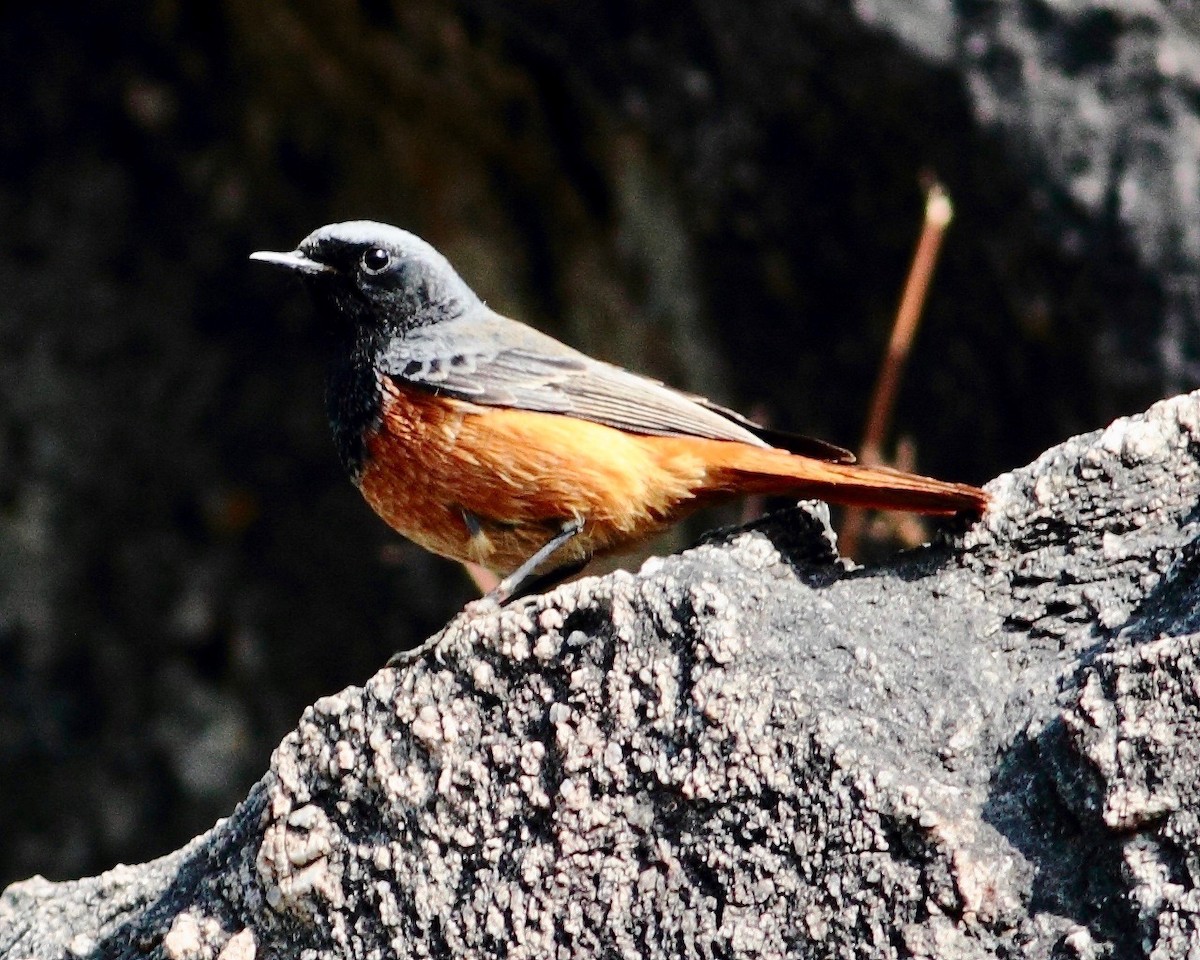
293 261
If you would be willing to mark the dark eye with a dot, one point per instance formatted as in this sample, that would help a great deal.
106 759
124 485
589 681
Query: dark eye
376 260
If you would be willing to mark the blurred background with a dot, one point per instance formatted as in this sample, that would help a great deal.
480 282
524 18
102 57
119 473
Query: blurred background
723 195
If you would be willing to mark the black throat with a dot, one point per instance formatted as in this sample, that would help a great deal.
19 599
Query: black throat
353 400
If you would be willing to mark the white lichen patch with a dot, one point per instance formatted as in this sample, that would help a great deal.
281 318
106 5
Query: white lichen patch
294 864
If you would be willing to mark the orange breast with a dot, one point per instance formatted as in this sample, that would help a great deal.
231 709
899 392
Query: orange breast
519 475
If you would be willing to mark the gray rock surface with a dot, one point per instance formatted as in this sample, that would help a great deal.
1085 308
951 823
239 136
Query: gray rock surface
983 748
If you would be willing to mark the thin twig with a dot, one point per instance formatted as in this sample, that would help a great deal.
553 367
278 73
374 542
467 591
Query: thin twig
938 212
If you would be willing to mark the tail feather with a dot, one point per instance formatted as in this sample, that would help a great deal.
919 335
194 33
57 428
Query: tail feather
773 472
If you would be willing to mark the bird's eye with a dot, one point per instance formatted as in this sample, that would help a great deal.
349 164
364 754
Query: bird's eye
376 260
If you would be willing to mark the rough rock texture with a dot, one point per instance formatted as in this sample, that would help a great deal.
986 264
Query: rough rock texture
983 748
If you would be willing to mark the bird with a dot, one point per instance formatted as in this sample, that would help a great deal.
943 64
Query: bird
487 441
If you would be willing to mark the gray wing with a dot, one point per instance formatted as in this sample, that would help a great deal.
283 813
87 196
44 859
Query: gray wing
493 361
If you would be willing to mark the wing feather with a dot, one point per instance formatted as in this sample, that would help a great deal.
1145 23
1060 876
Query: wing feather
493 361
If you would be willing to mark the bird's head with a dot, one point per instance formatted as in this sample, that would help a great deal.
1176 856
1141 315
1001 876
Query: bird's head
375 278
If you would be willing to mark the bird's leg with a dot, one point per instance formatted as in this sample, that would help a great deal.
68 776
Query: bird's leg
542 582
521 581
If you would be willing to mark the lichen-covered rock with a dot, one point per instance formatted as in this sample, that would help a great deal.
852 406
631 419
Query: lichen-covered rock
982 748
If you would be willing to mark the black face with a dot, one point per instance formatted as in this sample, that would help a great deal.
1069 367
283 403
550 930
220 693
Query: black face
373 278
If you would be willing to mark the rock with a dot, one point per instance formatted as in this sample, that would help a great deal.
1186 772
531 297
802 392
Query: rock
981 748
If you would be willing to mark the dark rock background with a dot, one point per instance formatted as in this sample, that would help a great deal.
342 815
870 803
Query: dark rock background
724 195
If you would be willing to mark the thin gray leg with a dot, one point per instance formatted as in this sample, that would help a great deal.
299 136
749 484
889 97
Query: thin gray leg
508 588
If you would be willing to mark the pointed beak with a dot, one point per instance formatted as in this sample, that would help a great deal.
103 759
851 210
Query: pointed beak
293 261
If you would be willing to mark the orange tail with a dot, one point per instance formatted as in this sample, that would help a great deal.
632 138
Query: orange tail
770 471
